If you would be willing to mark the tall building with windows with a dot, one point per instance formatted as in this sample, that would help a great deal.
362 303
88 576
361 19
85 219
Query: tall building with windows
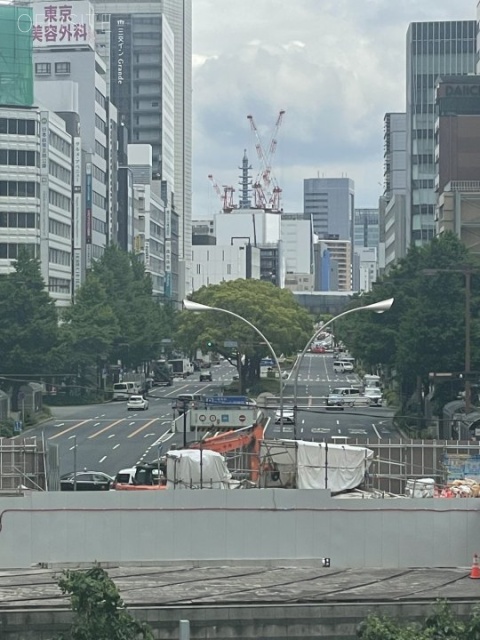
433 49
330 203
366 228
148 47
70 80
36 194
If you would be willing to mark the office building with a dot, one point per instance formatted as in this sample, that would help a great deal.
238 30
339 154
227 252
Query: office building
70 80
36 194
392 211
221 263
141 41
296 234
433 49
326 269
365 269
340 251
366 228
330 202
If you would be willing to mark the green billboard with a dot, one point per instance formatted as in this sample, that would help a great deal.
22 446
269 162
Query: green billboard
16 56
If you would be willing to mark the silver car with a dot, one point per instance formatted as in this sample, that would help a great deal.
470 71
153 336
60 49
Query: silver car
288 415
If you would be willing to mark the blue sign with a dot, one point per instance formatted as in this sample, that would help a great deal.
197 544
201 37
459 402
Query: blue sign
228 400
17 426
225 417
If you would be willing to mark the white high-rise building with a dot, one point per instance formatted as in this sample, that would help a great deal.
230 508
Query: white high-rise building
146 33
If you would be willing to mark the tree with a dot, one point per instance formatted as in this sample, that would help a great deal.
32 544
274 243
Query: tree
425 329
272 310
88 330
28 323
99 611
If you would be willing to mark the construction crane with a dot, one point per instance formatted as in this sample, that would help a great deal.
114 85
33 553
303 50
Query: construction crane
226 196
267 192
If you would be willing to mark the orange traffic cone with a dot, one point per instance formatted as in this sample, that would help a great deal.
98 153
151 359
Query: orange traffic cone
475 571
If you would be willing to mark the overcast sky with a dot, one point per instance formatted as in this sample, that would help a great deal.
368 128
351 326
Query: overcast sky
335 67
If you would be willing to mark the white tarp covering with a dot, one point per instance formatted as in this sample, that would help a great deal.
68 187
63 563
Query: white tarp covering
320 465
195 469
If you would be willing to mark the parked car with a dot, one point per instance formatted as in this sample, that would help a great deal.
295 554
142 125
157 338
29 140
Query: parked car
124 476
288 415
86 481
206 376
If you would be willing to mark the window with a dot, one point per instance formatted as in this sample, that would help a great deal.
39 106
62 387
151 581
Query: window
19 158
60 144
43 68
99 200
18 220
100 124
99 175
198 269
57 228
100 98
62 67
99 225
19 189
100 150
57 256
58 285
229 269
18 127
59 200
9 251
59 172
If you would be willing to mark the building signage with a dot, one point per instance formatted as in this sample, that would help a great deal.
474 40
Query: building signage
77 193
62 24
120 62
462 90
168 256
77 269
168 224
44 193
147 252
88 203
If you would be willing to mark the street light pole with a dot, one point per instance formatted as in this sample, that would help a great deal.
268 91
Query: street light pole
377 307
189 305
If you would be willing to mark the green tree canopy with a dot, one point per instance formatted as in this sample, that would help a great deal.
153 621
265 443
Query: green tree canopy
272 310
28 320
99 611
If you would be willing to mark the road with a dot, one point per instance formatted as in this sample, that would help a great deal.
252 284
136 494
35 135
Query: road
316 378
109 438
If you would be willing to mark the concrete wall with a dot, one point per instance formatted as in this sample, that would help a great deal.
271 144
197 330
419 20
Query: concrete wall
212 525
330 621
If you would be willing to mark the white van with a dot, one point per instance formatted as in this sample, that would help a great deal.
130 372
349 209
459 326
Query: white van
371 381
123 390
346 396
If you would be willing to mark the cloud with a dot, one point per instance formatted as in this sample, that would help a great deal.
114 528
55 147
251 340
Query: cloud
335 66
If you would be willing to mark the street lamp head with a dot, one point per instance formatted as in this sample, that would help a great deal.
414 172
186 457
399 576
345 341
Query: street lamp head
190 305
379 307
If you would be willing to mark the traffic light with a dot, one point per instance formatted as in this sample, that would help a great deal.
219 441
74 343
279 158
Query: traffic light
210 344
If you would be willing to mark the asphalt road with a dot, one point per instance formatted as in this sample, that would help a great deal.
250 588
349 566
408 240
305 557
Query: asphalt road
316 378
109 438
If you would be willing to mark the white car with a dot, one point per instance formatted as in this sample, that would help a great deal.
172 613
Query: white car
288 415
375 395
136 403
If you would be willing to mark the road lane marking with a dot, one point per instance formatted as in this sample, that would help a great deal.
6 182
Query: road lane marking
376 431
96 424
131 423
115 447
112 435
145 426
62 424
74 426
184 386
102 459
148 435
109 426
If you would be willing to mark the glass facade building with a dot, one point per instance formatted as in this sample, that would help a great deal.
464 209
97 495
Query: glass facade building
366 228
16 56
433 49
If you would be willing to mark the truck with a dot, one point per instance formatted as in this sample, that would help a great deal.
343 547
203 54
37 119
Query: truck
131 384
181 367
161 374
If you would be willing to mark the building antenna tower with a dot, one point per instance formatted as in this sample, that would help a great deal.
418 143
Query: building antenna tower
267 192
245 201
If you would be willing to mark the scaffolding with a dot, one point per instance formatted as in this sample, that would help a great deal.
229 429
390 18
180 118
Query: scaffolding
23 464
16 56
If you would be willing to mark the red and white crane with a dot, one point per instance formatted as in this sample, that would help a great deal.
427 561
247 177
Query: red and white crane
226 196
266 190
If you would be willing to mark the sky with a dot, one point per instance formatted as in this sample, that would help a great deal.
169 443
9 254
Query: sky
335 66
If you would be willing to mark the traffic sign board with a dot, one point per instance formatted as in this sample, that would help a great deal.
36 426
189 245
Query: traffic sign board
230 400
213 418
242 418
202 418
17 426
230 344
